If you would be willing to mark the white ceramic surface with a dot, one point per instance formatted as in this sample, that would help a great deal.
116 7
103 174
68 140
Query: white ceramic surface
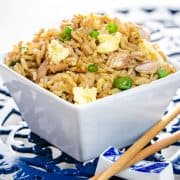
85 131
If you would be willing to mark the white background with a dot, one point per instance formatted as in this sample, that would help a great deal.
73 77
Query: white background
20 19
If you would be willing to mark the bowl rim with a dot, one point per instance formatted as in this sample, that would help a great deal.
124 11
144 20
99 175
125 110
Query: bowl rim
97 101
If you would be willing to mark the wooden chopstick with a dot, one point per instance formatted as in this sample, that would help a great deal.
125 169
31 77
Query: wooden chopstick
122 161
157 146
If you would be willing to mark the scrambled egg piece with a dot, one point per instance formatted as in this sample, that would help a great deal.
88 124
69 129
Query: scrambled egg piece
149 50
84 95
57 52
108 42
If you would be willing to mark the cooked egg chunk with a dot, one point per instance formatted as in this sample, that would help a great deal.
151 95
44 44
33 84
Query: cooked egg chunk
57 52
149 50
108 42
84 95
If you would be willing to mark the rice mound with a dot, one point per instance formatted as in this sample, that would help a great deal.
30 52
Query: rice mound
59 59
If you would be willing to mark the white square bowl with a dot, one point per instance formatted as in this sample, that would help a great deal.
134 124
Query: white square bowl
84 131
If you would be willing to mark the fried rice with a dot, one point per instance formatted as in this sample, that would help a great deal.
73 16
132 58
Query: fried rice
87 56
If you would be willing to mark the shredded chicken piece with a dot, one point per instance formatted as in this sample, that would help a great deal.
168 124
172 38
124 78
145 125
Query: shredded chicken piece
118 61
49 68
148 67
42 70
57 68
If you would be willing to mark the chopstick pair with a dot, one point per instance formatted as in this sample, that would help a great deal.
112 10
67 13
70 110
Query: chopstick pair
157 146
136 152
